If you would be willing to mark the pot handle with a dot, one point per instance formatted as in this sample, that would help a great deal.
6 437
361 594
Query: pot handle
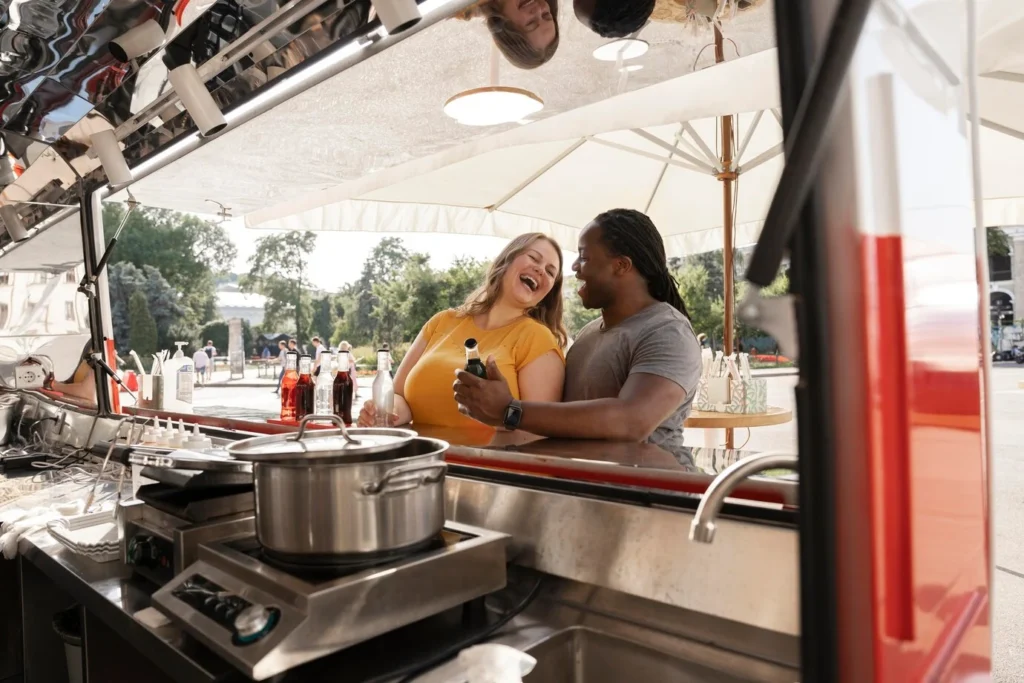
406 478
333 419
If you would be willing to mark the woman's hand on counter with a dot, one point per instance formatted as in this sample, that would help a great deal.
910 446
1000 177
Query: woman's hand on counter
368 416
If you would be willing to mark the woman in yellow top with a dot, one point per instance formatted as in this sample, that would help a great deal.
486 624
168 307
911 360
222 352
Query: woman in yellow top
515 316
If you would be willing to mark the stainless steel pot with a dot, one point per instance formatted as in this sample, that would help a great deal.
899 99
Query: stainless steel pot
339 494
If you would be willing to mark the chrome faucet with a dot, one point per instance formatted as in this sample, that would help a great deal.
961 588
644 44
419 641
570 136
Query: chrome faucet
702 529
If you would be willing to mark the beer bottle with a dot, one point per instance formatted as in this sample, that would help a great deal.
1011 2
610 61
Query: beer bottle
474 365
304 389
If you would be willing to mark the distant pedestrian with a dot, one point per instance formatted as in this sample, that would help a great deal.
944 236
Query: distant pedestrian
210 351
201 362
281 356
318 348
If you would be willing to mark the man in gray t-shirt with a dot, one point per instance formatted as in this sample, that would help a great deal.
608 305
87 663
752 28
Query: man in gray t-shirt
632 374
658 340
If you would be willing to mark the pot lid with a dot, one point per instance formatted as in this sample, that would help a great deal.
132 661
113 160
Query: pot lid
351 445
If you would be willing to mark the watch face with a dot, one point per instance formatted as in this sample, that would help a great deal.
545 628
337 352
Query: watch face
513 414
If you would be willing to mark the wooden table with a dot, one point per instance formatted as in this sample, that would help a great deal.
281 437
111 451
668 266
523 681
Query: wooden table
710 421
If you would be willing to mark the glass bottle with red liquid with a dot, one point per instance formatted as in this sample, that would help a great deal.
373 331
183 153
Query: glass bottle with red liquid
305 390
343 389
288 383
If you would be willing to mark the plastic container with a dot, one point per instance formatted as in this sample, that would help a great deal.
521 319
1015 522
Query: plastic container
179 376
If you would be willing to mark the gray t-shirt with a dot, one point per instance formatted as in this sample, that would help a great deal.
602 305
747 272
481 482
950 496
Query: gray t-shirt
658 340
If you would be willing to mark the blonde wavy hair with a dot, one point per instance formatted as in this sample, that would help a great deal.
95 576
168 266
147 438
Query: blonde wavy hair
548 312
510 41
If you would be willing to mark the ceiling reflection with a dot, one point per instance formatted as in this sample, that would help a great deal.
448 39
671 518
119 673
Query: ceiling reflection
57 72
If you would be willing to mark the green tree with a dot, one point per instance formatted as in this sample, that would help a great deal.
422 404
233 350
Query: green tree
188 251
277 270
461 279
998 242
124 280
706 310
142 330
385 263
394 299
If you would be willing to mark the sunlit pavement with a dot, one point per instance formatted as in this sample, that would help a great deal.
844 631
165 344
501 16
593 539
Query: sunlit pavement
1008 495
1008 470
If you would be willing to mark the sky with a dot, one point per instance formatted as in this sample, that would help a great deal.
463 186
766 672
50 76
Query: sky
339 256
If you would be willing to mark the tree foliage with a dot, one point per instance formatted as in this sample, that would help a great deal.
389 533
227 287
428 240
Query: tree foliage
386 263
278 271
186 250
701 280
142 336
405 292
998 242
124 280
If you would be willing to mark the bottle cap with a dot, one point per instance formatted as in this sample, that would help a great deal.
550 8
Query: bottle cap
471 343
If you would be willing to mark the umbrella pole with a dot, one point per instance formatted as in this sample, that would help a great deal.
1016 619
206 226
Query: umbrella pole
727 175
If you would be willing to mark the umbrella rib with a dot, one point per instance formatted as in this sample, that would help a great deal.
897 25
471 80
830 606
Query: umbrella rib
778 117
715 161
1004 76
764 156
672 149
1000 128
661 175
750 134
649 155
899 16
537 174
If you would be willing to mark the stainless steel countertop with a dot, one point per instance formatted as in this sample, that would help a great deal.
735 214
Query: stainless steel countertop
110 593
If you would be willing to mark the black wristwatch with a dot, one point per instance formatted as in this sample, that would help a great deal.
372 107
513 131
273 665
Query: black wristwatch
513 415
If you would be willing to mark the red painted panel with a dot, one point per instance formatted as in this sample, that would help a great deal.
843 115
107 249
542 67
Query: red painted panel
927 510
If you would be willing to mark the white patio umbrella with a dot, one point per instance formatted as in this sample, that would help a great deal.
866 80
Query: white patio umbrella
702 194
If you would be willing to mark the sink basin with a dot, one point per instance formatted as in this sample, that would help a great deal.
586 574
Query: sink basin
581 655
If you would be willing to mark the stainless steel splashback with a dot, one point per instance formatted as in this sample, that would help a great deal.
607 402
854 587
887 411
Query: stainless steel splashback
750 574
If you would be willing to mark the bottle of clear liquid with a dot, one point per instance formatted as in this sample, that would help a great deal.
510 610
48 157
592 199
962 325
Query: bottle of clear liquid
383 389
324 392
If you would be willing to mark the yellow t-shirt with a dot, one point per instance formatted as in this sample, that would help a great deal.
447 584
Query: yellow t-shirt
428 386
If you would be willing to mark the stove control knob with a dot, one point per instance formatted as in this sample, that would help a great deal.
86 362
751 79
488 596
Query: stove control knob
254 622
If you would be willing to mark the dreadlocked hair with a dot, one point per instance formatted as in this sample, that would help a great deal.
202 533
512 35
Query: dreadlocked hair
632 234
620 18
